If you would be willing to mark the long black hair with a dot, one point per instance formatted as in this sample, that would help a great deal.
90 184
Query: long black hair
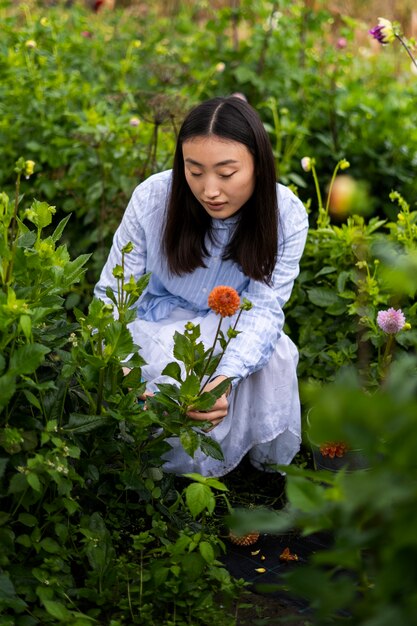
254 243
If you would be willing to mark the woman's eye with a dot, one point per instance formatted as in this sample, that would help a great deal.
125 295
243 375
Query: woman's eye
195 174
227 175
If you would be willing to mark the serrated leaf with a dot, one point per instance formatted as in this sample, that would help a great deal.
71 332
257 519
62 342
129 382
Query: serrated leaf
190 386
26 359
199 497
80 423
183 348
211 447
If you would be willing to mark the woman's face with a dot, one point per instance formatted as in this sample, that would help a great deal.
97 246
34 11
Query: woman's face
220 173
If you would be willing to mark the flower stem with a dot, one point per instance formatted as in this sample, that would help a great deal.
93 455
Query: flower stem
336 169
407 49
386 358
211 350
13 232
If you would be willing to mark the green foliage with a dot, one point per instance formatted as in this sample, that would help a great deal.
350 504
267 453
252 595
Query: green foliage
91 529
365 574
96 101
90 526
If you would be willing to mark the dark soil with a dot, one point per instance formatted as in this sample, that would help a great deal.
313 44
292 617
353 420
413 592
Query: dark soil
262 610
250 488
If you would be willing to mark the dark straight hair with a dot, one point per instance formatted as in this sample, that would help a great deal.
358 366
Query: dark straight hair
254 242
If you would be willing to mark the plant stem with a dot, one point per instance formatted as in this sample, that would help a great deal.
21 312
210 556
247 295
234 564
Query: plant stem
211 351
322 213
13 233
407 49
336 169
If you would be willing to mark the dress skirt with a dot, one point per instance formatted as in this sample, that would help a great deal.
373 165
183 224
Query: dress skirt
264 409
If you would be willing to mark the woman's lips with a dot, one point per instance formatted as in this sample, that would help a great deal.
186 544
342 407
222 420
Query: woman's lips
215 206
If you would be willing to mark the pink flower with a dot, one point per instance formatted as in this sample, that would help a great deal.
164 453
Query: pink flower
391 321
341 43
86 34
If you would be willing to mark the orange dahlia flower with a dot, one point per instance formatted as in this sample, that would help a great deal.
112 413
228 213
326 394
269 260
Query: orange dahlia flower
333 449
224 300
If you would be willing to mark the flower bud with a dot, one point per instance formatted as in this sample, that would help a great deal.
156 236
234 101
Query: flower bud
220 67
31 43
29 168
306 163
134 121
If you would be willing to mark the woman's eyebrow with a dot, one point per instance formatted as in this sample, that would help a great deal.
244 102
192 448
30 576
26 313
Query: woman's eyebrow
220 163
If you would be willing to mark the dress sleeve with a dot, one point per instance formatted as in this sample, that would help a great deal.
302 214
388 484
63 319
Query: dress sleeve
261 327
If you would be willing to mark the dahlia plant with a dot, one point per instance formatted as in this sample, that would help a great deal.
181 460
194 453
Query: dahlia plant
174 400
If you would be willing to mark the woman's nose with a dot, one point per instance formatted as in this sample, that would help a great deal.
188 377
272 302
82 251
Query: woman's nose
211 188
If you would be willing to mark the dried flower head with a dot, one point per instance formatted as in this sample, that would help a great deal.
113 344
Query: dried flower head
391 321
333 448
384 32
287 555
244 540
224 300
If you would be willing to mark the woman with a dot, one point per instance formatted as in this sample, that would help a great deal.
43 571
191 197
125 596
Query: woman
219 218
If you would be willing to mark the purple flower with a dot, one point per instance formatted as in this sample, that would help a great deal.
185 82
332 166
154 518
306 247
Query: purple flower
391 321
384 32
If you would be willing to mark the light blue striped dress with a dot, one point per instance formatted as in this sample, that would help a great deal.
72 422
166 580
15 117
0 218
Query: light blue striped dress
264 408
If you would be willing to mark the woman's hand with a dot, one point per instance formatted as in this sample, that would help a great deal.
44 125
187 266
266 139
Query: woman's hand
218 410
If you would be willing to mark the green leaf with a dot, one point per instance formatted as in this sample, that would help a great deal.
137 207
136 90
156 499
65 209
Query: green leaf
199 497
33 481
7 589
50 545
57 610
173 370
27 519
3 464
25 322
183 348
205 480
190 386
7 388
206 551
32 399
74 270
211 447
26 359
322 296
80 423
189 440
118 340
56 235
305 495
